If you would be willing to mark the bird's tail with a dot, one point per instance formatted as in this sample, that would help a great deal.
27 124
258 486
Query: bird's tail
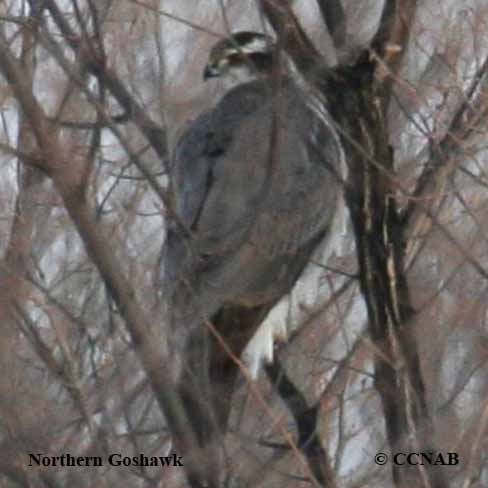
211 368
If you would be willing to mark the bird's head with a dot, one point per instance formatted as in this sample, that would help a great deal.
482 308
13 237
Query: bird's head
241 57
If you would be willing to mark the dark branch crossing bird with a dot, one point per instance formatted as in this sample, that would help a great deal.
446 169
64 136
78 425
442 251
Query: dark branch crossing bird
255 185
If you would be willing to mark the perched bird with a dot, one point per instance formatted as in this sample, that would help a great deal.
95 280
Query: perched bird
254 188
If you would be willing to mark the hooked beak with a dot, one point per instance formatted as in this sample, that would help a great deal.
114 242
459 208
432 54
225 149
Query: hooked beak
210 72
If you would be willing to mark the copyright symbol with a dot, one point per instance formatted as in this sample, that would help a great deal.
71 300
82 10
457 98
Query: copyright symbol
381 459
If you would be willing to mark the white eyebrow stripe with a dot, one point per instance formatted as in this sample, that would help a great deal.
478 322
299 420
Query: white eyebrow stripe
257 45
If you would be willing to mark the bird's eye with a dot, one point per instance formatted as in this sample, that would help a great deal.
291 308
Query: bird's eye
212 70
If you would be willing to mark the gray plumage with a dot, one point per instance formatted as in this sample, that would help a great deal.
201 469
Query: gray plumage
254 184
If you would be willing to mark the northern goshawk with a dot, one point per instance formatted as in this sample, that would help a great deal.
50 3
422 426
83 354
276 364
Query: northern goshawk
254 187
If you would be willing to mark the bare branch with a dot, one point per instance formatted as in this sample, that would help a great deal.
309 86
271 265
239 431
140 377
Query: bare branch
95 63
429 190
306 421
390 41
295 41
12 71
334 17
69 180
178 19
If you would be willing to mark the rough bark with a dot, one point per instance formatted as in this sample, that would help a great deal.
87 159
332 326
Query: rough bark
358 98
